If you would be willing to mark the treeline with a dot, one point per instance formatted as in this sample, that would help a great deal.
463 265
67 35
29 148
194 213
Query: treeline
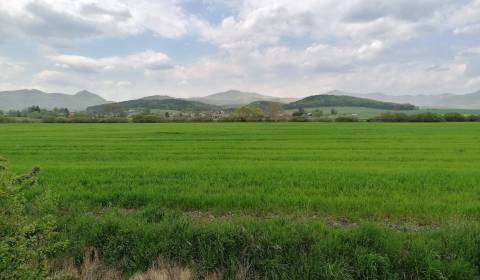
425 117
249 113
57 115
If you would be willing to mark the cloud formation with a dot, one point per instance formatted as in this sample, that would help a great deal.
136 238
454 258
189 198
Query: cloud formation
130 48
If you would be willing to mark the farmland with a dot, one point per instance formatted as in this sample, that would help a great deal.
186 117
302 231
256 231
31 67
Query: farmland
367 113
314 190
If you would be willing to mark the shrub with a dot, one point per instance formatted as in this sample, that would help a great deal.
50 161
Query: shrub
4 119
473 118
26 241
455 117
147 118
392 117
346 119
427 117
248 113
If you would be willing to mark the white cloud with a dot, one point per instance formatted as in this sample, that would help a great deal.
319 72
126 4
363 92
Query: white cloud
466 20
54 22
278 46
9 70
148 60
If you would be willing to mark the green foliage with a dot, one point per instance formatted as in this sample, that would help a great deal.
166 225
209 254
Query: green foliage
455 117
148 118
27 234
427 117
423 117
317 113
346 119
248 113
280 248
162 104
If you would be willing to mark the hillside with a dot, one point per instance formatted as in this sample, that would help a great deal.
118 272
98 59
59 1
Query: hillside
162 104
446 100
157 97
235 97
21 99
266 105
327 100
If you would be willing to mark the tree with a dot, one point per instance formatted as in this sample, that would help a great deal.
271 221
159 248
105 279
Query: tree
32 109
333 112
455 117
299 113
318 113
248 113
273 110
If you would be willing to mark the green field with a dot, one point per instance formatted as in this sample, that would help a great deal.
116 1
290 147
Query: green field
367 113
341 201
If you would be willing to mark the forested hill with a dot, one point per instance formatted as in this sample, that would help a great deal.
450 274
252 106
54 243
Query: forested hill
326 100
162 104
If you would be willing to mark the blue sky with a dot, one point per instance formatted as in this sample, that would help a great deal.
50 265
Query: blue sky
125 49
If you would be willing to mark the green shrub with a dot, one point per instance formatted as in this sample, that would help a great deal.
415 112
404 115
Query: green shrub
147 118
473 118
392 117
27 234
4 119
455 117
346 119
426 117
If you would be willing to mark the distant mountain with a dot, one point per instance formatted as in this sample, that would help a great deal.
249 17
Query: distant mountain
446 100
158 97
154 103
21 99
329 100
235 98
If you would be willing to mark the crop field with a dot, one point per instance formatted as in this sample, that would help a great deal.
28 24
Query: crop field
367 113
274 200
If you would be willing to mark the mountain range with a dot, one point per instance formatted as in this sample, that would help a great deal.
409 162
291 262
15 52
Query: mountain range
21 99
235 98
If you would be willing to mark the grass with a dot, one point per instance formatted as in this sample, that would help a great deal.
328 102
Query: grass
366 113
207 194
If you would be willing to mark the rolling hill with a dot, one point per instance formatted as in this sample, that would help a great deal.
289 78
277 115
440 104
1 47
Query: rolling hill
325 100
266 105
446 100
21 99
235 98
153 103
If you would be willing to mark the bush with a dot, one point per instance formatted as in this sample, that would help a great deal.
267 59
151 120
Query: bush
426 117
4 119
346 119
455 117
402 117
473 118
84 119
27 234
392 117
147 118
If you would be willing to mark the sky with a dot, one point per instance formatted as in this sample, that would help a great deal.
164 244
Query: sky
124 49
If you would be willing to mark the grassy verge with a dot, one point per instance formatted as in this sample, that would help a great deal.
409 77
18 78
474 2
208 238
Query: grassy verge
279 248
